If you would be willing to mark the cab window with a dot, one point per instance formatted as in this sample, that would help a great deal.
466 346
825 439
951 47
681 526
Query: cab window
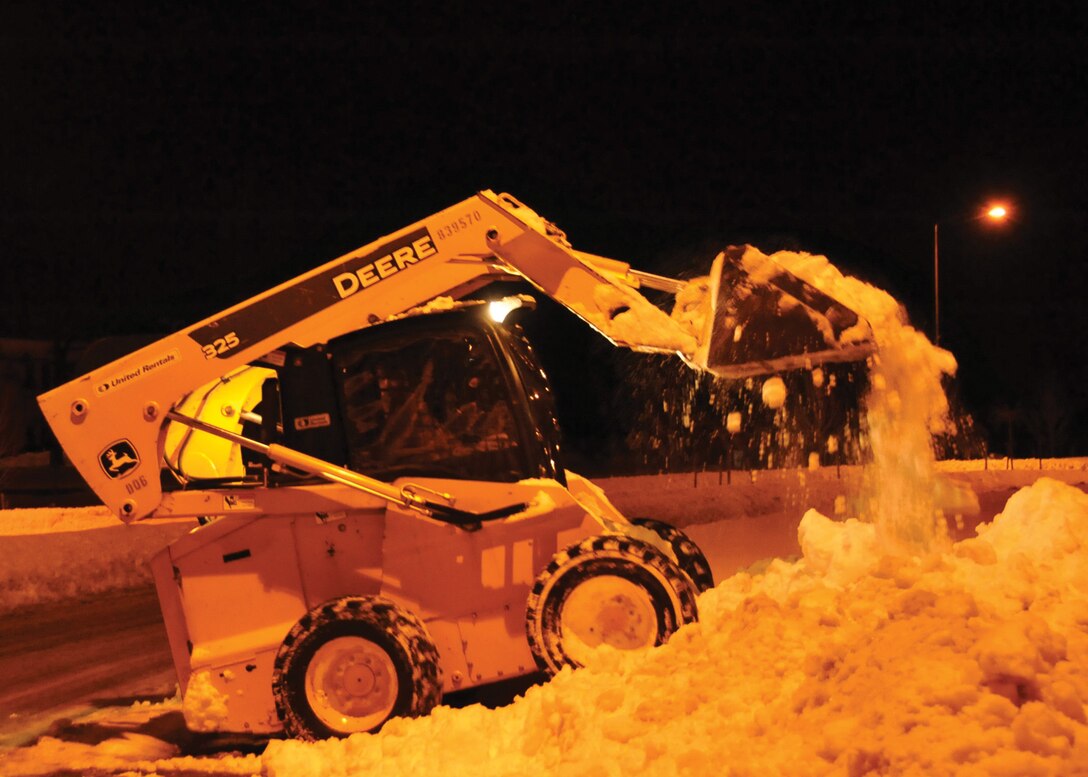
435 406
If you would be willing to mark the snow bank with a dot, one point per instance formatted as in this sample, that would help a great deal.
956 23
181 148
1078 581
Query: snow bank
49 554
1026 465
51 755
52 554
130 754
973 661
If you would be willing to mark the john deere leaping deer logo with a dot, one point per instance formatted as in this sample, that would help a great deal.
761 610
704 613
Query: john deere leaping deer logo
119 458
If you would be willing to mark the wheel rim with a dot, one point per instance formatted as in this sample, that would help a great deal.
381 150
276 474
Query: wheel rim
607 610
351 684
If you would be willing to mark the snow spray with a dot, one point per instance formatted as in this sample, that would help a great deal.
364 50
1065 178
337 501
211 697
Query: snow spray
905 406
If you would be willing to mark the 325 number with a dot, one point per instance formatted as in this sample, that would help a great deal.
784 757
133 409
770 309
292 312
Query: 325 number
221 345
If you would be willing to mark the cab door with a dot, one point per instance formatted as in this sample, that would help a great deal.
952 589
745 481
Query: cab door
434 397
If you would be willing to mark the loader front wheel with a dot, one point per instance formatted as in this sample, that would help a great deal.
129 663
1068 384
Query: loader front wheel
691 558
351 664
607 590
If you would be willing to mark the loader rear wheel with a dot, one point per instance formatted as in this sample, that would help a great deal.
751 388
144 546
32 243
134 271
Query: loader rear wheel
351 664
608 590
691 558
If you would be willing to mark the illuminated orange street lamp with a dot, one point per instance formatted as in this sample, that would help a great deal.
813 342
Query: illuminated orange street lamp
995 212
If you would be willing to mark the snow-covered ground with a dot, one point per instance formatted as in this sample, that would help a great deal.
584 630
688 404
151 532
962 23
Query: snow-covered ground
844 658
882 632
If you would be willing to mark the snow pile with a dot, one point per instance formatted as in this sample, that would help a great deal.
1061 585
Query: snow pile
204 708
625 316
436 305
51 755
973 661
49 554
131 751
130 754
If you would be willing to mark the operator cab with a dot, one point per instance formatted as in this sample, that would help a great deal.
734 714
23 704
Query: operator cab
446 395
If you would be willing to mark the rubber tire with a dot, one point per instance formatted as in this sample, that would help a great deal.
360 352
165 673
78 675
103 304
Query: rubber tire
691 558
671 591
401 635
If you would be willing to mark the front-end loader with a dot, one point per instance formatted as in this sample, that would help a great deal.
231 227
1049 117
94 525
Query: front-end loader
373 465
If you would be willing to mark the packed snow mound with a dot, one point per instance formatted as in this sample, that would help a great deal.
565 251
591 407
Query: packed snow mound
54 554
853 660
54 756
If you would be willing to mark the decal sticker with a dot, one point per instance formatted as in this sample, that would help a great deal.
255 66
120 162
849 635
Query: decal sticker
137 372
276 358
272 314
119 459
372 269
312 421
221 345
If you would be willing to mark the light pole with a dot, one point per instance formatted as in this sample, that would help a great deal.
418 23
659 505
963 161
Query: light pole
995 212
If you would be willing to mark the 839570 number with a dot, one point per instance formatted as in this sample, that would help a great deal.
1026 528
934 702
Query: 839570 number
451 229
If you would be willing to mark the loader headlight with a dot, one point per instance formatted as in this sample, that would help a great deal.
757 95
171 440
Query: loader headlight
499 309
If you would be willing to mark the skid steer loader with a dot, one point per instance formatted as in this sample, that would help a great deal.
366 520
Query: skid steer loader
374 465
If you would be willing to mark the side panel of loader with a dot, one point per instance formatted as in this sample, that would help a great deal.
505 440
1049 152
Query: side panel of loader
481 580
231 590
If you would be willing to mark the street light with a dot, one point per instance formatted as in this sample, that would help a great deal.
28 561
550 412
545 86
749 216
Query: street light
995 212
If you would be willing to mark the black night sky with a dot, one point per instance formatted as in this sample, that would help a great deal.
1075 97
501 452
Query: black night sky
162 163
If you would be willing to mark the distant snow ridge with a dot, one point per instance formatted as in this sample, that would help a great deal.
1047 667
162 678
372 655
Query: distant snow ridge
52 554
853 660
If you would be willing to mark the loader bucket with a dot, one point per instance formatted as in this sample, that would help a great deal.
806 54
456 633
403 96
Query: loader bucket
764 319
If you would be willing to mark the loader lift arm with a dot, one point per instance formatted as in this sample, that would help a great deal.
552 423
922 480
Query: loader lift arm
111 422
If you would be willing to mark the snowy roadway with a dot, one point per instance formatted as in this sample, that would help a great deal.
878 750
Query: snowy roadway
61 659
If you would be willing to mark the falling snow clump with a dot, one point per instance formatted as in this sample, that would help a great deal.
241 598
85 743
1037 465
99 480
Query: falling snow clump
774 392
